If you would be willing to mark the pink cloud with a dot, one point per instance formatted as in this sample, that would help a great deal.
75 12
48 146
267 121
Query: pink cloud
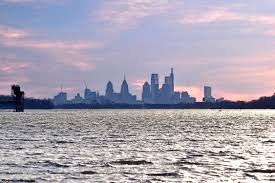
12 33
125 14
223 15
211 16
72 53
11 65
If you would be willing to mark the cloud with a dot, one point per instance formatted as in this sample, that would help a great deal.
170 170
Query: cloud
27 1
71 53
125 14
12 33
225 15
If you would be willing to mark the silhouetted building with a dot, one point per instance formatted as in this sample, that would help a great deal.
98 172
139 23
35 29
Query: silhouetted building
154 86
109 90
187 99
169 80
77 99
220 100
208 95
60 99
124 90
176 97
89 96
146 93
125 96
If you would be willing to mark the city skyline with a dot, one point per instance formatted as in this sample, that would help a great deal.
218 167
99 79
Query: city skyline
226 45
153 93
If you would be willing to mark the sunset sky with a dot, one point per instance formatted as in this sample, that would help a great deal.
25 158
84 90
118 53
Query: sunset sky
229 45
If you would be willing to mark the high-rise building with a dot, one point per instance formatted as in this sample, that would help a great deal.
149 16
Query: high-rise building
60 99
124 90
208 94
169 80
146 92
172 81
89 96
154 86
125 95
109 90
77 99
186 98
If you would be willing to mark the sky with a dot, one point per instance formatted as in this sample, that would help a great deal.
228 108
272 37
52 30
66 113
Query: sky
229 45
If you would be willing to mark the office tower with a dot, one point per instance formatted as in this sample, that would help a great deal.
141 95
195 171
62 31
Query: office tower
169 80
208 94
146 93
89 96
109 90
77 99
124 91
186 98
172 80
125 96
60 98
154 86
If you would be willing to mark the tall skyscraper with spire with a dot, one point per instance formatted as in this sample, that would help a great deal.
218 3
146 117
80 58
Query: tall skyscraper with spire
124 91
169 80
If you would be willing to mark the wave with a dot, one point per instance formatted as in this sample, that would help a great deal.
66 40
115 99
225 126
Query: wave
131 162
50 163
88 172
166 174
17 180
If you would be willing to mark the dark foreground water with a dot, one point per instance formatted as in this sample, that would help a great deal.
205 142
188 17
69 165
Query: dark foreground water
138 146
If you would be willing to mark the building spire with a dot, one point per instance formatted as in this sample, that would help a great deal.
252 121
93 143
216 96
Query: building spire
61 87
85 84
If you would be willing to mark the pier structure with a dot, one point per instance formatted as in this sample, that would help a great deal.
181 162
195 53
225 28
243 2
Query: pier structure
16 101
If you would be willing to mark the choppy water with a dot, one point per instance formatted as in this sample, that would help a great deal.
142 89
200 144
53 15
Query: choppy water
138 146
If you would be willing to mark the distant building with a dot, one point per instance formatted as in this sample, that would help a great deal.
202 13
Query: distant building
169 81
89 96
154 86
220 100
125 96
60 99
176 97
77 99
146 93
186 98
109 90
208 95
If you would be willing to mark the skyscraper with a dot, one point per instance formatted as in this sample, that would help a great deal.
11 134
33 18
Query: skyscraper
125 96
208 94
154 86
109 90
124 91
146 93
172 80
169 80
60 98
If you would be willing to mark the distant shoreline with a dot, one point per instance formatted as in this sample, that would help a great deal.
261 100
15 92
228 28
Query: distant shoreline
262 103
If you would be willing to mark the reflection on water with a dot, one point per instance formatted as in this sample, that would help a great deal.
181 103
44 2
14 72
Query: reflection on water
138 146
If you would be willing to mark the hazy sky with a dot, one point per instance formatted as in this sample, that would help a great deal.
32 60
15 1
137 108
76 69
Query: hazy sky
229 45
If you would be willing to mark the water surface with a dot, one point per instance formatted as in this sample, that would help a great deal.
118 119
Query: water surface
138 146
